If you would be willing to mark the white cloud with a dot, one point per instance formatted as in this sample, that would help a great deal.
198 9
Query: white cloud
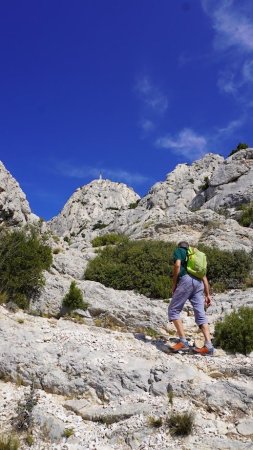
232 126
147 125
247 71
186 143
83 172
151 96
232 22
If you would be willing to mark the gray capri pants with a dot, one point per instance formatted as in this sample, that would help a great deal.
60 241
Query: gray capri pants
191 289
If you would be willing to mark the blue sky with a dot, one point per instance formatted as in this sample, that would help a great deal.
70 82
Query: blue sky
127 87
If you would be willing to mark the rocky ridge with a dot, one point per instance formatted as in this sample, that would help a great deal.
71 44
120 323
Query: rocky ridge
196 202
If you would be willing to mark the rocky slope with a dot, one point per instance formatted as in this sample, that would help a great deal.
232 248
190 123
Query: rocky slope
106 385
14 208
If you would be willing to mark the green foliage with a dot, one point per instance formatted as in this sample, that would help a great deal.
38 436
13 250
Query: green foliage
66 239
228 268
246 217
9 443
23 257
134 204
99 226
24 418
74 298
68 432
205 185
29 440
155 422
144 266
108 239
240 146
235 332
180 424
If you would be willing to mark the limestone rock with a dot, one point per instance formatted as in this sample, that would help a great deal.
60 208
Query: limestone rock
245 427
14 207
92 207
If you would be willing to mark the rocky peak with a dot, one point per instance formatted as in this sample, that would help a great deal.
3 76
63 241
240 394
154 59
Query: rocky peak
92 207
14 207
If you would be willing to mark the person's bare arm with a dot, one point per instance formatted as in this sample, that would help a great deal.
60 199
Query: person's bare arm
176 270
206 292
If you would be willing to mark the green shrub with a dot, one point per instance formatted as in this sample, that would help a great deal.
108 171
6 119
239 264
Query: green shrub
246 217
9 443
144 266
23 257
99 225
108 239
228 268
68 432
134 204
74 298
205 185
155 422
240 146
235 332
180 424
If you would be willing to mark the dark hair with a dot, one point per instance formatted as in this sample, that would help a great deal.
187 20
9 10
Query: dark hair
183 244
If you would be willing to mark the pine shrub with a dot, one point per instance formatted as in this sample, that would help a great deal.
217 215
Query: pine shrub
240 146
246 217
227 269
235 332
74 298
144 266
108 239
9 443
180 424
23 257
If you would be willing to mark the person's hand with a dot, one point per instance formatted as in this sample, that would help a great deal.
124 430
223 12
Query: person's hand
208 301
174 288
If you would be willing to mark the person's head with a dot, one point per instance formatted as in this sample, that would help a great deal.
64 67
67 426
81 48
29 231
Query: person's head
183 244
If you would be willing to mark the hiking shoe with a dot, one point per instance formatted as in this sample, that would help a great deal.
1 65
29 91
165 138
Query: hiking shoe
180 347
204 351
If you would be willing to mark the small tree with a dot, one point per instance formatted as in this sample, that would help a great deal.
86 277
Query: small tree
74 298
235 332
23 257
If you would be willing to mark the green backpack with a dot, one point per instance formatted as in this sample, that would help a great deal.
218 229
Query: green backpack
196 263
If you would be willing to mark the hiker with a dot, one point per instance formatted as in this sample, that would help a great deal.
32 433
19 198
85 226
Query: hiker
187 287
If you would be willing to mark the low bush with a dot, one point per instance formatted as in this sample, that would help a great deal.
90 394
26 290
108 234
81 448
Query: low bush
133 205
180 424
235 332
240 146
228 268
246 217
108 239
8 443
155 422
74 298
24 255
99 225
144 266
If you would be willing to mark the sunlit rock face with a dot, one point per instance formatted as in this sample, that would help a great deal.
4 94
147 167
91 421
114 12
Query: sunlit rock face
14 207
93 207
